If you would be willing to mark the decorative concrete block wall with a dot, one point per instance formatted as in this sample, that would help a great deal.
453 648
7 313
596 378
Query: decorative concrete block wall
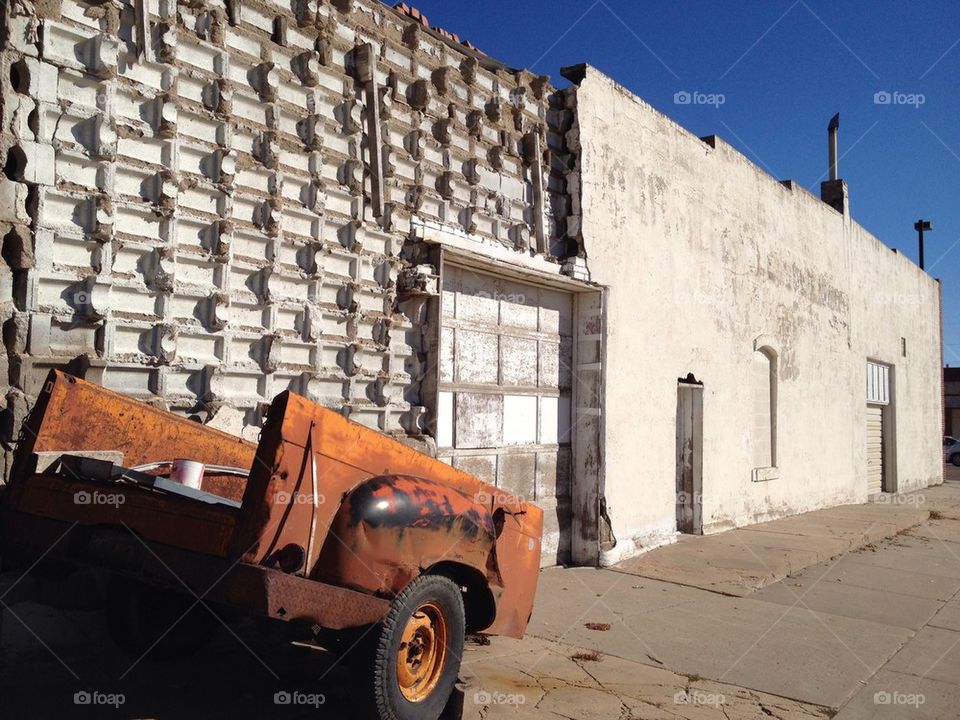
206 203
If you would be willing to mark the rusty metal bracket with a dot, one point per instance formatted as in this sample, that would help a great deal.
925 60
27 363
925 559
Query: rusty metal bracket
312 449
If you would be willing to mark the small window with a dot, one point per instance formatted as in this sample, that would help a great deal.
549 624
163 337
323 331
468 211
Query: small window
878 384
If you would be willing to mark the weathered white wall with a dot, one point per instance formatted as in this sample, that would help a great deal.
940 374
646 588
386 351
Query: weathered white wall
703 253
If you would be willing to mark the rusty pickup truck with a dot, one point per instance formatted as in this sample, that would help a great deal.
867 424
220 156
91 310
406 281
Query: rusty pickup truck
324 525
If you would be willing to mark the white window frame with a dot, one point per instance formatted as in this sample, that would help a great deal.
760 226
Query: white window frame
878 383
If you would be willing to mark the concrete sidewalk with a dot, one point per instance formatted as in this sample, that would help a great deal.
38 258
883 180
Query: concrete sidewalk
740 562
838 610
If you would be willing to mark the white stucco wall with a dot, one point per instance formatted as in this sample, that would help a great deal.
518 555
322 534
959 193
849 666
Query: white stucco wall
702 253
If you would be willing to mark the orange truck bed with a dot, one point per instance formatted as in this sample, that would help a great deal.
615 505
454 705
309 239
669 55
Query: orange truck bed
334 520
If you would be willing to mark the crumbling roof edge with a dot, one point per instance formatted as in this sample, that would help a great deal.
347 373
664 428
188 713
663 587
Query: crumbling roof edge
486 62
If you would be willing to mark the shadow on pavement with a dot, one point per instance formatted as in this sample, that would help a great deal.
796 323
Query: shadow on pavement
257 674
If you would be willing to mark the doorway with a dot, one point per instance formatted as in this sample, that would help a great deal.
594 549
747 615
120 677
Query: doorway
689 456
881 423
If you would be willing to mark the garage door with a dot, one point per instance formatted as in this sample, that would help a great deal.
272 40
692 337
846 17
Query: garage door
504 400
874 449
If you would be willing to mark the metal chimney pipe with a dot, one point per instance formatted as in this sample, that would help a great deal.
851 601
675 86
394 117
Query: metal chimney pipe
833 146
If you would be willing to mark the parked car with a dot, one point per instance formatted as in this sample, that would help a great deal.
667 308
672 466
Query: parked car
951 450
325 525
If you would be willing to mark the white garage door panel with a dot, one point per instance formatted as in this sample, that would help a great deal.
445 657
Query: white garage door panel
520 420
446 354
518 360
445 420
549 419
504 413
478 420
476 356
549 368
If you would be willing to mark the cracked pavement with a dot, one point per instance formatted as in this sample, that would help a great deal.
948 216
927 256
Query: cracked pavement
499 683
851 612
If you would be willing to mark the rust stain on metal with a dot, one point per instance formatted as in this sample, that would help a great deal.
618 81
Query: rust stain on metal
362 468
72 414
335 520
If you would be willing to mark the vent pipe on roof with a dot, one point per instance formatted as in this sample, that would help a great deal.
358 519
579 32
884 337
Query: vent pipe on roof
834 191
833 133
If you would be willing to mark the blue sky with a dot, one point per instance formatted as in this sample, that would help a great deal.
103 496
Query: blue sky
783 67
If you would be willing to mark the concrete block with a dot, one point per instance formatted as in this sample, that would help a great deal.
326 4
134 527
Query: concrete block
24 33
13 198
35 78
33 162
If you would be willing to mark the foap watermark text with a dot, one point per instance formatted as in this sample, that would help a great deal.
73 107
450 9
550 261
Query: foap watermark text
486 697
98 498
695 97
883 697
698 697
300 699
100 699
895 97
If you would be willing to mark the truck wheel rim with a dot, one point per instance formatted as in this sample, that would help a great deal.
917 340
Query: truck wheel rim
422 653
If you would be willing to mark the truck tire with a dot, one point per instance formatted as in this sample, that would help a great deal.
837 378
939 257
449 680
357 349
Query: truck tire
419 649
161 624
955 459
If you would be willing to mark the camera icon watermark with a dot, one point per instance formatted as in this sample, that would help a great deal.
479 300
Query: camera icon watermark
99 699
695 97
299 699
509 298
883 697
689 498
698 697
908 500
895 97
285 498
498 498
98 498
487 697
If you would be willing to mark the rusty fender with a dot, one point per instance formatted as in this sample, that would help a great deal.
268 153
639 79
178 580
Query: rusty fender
390 529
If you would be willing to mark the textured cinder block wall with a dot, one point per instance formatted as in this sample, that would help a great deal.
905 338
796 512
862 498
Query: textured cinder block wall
190 219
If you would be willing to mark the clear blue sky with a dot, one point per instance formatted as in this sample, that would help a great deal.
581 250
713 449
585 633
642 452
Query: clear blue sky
784 67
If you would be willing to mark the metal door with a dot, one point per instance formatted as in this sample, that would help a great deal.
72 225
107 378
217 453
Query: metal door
689 458
874 449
